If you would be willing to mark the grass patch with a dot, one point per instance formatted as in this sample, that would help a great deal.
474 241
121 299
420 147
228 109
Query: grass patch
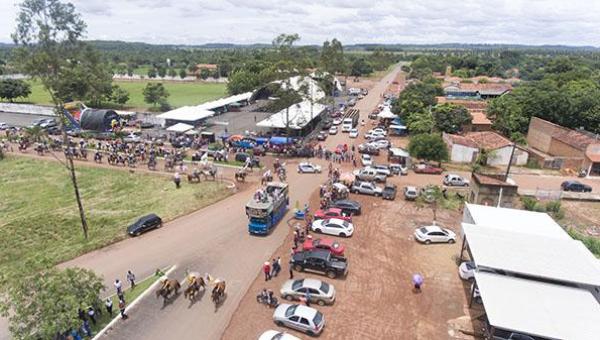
181 93
592 243
39 217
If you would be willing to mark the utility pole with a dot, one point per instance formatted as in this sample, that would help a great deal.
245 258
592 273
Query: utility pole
510 162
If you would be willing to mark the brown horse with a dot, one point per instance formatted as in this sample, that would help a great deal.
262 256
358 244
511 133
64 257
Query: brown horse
218 292
168 287
240 176
194 287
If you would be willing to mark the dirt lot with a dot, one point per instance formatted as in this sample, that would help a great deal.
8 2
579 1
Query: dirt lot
585 216
376 300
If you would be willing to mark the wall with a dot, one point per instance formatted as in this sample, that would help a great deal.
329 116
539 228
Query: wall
501 156
558 148
463 154
489 194
539 135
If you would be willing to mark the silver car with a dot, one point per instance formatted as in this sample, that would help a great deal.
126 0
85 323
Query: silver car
321 293
301 318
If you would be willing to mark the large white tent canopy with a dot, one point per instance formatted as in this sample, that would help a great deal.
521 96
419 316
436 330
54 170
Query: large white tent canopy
386 113
299 116
538 308
214 104
515 220
535 256
187 114
180 127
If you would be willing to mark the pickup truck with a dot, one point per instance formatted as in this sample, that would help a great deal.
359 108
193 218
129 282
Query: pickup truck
320 261
366 188
370 175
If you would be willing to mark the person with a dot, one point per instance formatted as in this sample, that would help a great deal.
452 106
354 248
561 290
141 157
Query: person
264 296
291 269
278 265
270 296
307 298
131 278
86 328
109 304
177 180
81 314
122 309
118 286
267 270
92 314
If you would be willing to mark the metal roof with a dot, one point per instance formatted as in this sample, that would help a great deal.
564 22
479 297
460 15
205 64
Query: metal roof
186 114
299 116
534 256
538 308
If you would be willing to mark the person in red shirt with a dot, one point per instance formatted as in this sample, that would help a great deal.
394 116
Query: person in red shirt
267 270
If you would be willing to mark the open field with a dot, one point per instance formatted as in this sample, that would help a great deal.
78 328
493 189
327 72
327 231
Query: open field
180 93
39 217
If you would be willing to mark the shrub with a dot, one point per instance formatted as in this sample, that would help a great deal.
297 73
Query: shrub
529 203
593 244
553 206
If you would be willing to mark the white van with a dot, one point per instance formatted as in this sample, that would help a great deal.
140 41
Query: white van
347 125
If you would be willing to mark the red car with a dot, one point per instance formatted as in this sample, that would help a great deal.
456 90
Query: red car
333 246
332 213
427 169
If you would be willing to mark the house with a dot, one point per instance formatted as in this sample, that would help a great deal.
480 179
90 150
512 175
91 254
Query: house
479 91
476 108
492 190
198 68
497 149
557 147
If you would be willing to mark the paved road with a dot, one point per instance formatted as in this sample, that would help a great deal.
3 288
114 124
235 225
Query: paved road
19 119
213 240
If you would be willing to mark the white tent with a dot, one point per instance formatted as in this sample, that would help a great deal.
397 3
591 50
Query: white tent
386 113
398 152
225 101
186 114
538 308
299 116
180 127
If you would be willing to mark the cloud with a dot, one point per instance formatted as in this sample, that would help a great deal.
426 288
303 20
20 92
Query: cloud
571 22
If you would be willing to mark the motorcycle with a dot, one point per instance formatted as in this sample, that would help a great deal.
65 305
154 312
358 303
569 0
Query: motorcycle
263 299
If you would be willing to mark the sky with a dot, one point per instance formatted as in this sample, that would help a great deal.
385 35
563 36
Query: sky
194 22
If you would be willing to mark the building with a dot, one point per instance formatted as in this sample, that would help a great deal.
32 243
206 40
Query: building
533 279
476 91
299 119
496 148
476 108
492 190
556 147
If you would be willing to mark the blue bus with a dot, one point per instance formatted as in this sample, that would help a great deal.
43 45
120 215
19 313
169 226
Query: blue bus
267 207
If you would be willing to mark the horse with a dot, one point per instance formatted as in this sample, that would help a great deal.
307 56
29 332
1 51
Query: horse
218 292
240 176
98 157
194 287
152 163
169 286
194 176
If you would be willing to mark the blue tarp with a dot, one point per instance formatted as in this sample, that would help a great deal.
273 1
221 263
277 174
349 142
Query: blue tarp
261 140
280 140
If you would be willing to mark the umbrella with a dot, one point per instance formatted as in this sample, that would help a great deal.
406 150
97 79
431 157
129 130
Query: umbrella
235 137
417 279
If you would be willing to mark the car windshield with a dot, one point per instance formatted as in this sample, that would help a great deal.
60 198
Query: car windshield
297 284
324 287
277 336
291 311
345 224
423 230
470 265
318 318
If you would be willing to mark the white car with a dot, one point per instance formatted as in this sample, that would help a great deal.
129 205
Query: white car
434 234
366 160
466 270
378 131
381 169
398 169
354 133
455 181
321 293
380 143
3 126
276 335
302 318
308 168
337 121
333 130
132 138
333 226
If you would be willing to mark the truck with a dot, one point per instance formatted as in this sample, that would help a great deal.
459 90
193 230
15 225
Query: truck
350 120
366 188
370 175
320 261
267 207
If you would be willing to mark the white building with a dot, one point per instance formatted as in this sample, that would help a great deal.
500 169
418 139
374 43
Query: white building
465 149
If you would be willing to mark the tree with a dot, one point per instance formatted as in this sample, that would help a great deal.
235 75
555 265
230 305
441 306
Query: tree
332 56
155 93
204 74
48 47
360 67
420 122
151 73
182 73
242 81
172 73
36 133
429 147
432 196
162 71
451 118
41 305
119 95
11 89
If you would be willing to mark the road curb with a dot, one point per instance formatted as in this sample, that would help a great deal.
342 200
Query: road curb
131 305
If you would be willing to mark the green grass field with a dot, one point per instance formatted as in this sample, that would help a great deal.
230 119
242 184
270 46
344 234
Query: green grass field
39 216
180 93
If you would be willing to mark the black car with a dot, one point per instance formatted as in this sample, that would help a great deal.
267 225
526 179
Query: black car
242 156
144 224
575 186
389 192
327 125
320 261
347 206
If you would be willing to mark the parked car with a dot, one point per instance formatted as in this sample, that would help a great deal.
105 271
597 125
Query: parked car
146 125
381 169
144 224
333 130
276 335
398 169
427 169
301 318
322 136
466 270
366 159
370 175
333 246
3 126
332 213
380 143
575 186
321 293
434 234
132 138
306 167
326 125
348 206
389 192
374 136
410 193
353 133
320 261
333 226
366 188
378 130
368 149
455 181
337 121
48 123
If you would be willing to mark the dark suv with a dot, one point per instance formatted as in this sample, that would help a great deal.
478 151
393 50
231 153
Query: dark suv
144 224
348 206
575 186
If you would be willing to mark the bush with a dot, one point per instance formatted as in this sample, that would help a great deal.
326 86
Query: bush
532 164
529 203
553 206
165 106
593 244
